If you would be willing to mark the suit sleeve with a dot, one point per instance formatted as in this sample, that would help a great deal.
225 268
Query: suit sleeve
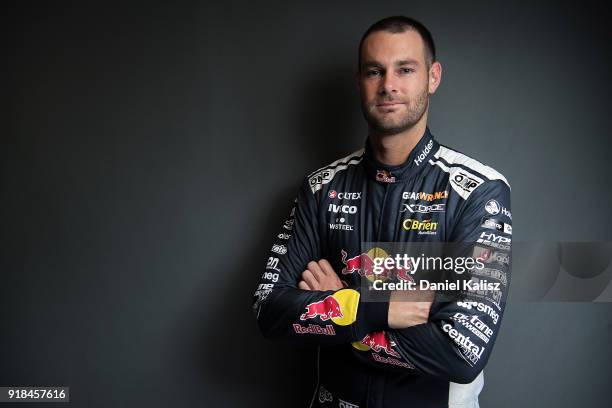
317 317
458 339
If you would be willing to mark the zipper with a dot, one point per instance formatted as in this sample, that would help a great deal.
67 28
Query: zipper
382 213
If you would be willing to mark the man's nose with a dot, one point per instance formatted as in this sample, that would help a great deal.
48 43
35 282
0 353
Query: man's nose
388 85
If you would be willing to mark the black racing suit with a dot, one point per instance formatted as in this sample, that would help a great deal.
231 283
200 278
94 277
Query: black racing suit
438 194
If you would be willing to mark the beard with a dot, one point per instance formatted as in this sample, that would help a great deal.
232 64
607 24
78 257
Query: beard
393 123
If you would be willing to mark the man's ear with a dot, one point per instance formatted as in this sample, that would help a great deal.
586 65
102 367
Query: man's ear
435 76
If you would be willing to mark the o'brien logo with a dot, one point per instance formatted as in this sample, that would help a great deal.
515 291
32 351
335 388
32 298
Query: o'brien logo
426 227
419 159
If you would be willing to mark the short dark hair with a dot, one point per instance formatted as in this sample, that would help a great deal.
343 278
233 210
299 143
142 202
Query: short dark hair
400 24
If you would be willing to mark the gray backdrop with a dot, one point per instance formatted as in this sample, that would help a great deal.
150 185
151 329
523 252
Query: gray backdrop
150 152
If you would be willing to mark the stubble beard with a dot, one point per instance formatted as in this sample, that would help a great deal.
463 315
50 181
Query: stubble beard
385 125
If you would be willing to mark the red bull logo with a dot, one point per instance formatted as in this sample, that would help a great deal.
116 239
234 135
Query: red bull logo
363 264
340 308
405 274
377 342
384 176
324 309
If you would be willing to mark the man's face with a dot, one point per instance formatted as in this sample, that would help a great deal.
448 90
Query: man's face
395 81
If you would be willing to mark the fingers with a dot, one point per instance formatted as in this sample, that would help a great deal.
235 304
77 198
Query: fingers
316 270
311 281
320 276
326 267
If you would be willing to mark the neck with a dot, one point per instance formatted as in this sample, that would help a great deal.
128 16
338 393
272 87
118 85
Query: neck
394 149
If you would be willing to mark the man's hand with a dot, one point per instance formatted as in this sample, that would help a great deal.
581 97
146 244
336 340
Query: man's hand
320 276
409 308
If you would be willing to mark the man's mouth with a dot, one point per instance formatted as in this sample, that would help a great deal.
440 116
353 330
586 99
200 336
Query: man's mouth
388 104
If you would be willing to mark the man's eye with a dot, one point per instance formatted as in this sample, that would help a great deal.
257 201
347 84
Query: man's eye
406 70
372 73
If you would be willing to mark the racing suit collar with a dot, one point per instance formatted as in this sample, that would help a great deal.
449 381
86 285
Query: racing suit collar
414 164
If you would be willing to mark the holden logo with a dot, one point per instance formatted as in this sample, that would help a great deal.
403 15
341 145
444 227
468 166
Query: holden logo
492 207
333 194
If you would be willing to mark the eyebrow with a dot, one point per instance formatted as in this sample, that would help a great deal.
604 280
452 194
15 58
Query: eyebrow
399 63
407 62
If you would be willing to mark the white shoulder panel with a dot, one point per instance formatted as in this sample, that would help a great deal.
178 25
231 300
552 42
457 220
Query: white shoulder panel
325 174
454 157
462 181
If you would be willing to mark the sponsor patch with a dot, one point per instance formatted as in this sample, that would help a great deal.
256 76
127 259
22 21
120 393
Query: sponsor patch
497 225
333 194
481 307
423 209
475 325
384 176
279 249
471 351
378 342
423 154
488 255
344 209
340 308
463 182
493 240
425 227
340 224
344 404
423 196
392 361
272 264
493 207
270 276
324 395
328 330
491 273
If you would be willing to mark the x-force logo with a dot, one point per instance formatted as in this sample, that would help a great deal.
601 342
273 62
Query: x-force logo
424 209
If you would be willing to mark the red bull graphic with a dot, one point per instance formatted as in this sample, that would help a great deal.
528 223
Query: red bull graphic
340 308
377 342
362 264
324 309
405 274
384 176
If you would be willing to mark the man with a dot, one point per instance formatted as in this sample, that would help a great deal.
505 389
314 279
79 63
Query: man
403 351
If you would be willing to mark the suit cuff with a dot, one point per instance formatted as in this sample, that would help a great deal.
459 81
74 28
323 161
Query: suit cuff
372 316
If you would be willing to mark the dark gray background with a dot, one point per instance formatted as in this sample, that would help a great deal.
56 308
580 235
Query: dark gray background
150 152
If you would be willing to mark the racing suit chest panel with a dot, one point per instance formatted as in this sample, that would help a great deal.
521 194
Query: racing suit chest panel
351 212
